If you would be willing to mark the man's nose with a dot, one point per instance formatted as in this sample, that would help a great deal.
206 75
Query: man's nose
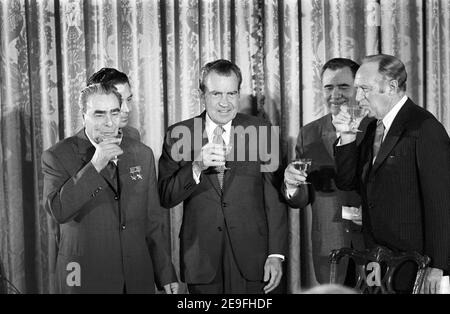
335 93
359 95
223 101
109 120
125 108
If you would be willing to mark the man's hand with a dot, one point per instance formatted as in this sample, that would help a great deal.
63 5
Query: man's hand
211 155
357 216
357 221
107 150
272 271
342 124
432 281
172 288
293 177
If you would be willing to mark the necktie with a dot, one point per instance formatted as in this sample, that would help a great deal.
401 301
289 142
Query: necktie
112 173
218 139
378 138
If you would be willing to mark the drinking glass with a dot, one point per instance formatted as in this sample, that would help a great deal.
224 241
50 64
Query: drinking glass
356 113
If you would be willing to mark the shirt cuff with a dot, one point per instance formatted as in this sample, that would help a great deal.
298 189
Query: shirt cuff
196 173
277 255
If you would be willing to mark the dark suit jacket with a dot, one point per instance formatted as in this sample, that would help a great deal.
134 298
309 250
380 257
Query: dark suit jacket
117 236
406 192
129 131
329 231
250 205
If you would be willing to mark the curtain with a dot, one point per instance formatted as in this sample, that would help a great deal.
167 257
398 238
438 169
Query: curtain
48 49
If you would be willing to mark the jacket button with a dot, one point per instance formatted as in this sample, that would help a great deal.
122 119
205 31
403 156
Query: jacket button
123 227
116 197
224 204
219 228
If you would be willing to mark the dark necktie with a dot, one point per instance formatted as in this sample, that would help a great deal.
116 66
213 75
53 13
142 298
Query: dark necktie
218 139
378 138
112 173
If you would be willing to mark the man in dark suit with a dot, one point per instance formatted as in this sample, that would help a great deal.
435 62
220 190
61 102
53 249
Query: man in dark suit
103 193
401 169
315 141
234 230
120 81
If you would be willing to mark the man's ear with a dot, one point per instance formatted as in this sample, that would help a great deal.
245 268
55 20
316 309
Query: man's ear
201 97
393 86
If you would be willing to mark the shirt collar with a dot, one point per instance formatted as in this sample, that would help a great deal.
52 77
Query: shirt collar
389 118
210 126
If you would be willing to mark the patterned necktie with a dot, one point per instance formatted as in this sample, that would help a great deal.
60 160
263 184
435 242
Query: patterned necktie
218 139
378 138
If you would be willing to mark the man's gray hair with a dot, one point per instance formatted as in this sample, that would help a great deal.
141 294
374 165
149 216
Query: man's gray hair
390 67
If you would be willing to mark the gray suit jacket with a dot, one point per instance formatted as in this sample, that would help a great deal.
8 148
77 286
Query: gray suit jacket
111 235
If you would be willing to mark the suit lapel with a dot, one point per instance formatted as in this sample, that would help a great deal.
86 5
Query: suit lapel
125 165
393 135
328 135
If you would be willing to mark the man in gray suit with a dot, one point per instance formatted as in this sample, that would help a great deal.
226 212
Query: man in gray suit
102 191
315 141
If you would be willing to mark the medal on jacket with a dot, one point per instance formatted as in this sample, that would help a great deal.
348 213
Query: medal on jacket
135 173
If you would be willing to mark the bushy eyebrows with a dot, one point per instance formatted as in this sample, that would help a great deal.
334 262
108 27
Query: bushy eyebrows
105 111
339 85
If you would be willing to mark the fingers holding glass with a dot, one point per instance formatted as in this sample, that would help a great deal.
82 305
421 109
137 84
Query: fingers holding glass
302 165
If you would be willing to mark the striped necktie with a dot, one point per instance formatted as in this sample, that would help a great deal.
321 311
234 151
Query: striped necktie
218 139
379 133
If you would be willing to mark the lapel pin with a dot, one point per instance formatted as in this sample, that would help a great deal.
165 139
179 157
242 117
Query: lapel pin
135 173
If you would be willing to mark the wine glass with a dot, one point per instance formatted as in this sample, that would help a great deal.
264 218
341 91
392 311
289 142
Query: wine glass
119 136
228 149
356 112
303 165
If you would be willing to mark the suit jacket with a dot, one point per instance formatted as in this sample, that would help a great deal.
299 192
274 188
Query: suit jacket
329 231
113 235
129 131
249 207
405 193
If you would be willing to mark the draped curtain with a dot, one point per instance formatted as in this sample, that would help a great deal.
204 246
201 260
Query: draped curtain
48 49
